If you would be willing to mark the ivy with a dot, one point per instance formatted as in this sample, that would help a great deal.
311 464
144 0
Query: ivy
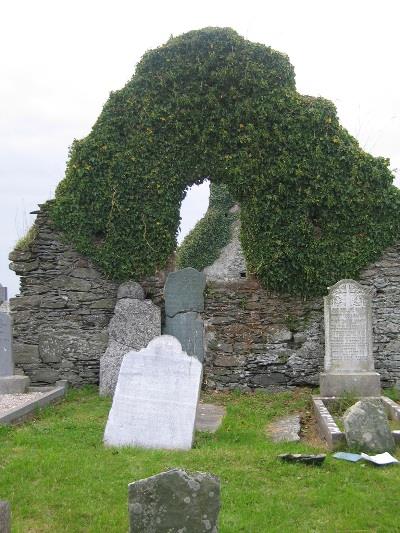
314 206
203 244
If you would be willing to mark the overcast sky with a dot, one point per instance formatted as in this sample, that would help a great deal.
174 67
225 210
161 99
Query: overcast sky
60 59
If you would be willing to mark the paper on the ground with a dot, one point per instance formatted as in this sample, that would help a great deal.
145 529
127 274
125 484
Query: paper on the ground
353 457
380 458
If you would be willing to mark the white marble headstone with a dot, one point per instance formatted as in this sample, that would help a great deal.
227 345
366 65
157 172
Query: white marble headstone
348 328
156 396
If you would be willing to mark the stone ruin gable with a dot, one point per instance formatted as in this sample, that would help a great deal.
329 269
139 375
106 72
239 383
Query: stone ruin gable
61 316
255 339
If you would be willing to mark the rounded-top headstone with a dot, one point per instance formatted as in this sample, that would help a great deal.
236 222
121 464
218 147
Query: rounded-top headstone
131 289
184 291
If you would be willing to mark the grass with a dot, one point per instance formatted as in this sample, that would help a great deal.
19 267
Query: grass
24 242
59 477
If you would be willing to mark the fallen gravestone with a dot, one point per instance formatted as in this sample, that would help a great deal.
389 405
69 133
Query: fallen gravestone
156 398
315 460
5 517
209 417
184 300
174 501
349 363
285 429
367 428
134 324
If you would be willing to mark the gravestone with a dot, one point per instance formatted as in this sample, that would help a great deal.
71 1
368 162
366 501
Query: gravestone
349 363
135 322
3 294
184 291
9 383
174 501
156 396
184 300
5 517
367 428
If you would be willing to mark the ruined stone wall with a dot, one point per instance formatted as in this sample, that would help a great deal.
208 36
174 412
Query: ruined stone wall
61 316
255 339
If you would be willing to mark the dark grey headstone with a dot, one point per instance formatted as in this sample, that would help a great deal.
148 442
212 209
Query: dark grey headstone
3 294
367 428
189 330
174 501
6 358
5 517
183 291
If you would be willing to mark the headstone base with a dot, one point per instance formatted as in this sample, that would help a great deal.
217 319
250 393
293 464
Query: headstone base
13 384
359 384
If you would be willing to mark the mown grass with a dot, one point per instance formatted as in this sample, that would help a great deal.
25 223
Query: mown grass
59 477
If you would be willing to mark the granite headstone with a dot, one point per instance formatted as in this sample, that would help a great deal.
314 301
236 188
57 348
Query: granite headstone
349 363
156 396
134 324
174 501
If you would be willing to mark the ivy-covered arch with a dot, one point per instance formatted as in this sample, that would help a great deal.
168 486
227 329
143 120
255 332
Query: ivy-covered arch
314 206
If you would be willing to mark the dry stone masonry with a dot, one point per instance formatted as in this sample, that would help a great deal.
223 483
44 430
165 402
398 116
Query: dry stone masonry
155 401
253 338
174 501
135 323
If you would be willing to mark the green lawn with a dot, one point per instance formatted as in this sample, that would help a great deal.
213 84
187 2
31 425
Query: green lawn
59 477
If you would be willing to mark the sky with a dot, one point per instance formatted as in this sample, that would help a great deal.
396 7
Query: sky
60 59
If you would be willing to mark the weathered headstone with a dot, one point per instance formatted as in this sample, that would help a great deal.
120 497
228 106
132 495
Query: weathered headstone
134 324
155 401
367 428
9 383
174 501
184 291
184 300
5 517
188 328
3 294
349 363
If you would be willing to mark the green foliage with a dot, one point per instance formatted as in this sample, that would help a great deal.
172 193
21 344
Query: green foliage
24 242
315 208
203 244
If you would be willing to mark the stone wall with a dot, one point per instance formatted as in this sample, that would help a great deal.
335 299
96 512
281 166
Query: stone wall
61 317
254 339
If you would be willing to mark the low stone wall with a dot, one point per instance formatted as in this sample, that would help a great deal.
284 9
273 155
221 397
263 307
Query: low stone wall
60 319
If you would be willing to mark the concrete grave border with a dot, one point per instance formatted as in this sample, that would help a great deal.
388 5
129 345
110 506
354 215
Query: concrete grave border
52 394
328 428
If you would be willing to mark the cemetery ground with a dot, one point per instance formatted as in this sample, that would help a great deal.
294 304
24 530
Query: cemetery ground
59 477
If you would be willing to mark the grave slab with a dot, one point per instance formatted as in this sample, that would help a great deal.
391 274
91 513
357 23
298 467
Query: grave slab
5 517
156 398
209 417
285 429
174 501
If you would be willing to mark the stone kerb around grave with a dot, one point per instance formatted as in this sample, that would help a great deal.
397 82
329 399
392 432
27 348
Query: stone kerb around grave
155 401
349 363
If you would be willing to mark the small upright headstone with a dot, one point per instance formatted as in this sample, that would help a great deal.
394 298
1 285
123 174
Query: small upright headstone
3 294
349 362
8 382
5 517
367 428
174 501
156 398
184 300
